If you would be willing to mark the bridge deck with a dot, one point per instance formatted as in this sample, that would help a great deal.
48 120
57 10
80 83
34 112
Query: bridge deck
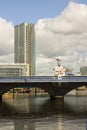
29 79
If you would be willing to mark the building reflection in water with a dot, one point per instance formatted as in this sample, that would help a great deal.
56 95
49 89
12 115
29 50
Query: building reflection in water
18 125
40 113
23 125
60 122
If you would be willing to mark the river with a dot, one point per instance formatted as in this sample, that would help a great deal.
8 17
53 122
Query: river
26 112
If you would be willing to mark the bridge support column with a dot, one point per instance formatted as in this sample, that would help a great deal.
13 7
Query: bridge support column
52 97
56 97
0 97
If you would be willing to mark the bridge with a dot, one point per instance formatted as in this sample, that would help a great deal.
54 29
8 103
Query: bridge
54 85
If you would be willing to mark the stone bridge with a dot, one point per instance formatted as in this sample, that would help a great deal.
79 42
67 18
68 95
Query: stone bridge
55 86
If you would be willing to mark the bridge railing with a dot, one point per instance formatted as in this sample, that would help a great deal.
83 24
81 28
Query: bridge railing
44 79
57 79
12 79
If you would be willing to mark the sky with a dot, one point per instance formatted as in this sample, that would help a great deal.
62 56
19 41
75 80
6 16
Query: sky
60 27
30 10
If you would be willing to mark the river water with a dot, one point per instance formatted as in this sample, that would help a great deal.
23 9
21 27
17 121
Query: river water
26 112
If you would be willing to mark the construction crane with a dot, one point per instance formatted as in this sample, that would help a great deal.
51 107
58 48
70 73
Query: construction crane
57 59
59 70
58 62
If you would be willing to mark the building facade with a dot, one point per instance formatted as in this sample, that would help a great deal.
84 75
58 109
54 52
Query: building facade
24 45
83 70
12 70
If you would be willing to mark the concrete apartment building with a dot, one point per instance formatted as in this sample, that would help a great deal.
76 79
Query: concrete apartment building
24 45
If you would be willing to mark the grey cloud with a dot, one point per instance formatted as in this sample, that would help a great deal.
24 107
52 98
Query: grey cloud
64 35
7 58
6 37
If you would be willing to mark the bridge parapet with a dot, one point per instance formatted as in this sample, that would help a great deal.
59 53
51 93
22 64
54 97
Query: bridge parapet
43 79
56 79
11 79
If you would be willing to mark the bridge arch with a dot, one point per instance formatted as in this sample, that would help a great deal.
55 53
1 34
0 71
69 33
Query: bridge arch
54 86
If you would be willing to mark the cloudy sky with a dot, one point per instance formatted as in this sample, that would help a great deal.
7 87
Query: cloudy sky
62 33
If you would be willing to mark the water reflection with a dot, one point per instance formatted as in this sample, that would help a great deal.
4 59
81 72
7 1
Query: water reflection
40 113
60 123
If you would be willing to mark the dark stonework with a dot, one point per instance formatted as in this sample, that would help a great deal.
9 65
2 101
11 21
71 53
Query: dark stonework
53 88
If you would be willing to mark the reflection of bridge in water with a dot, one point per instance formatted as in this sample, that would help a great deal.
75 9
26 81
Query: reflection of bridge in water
55 86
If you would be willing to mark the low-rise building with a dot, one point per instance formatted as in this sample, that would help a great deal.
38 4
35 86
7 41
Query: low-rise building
11 70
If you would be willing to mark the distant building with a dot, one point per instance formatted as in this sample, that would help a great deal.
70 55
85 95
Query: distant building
24 45
24 53
83 70
12 70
